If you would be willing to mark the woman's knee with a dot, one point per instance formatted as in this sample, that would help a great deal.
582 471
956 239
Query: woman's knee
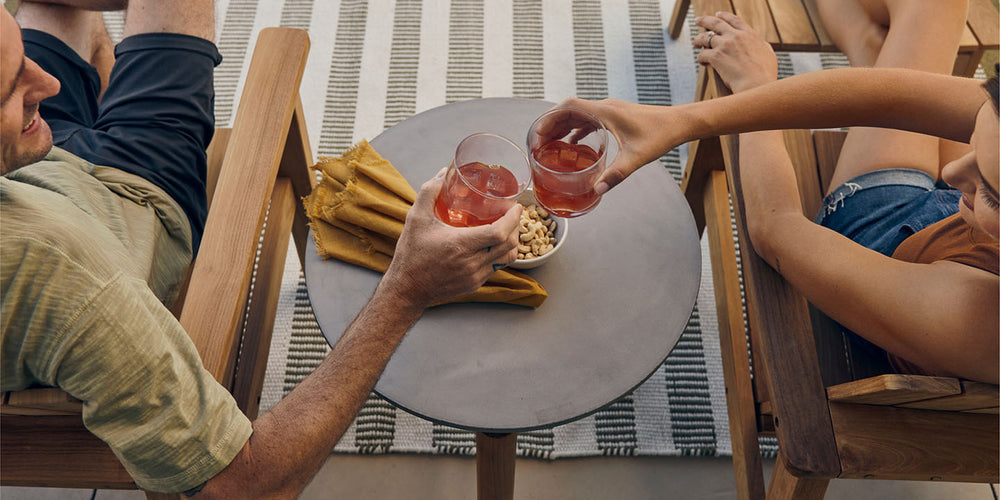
82 30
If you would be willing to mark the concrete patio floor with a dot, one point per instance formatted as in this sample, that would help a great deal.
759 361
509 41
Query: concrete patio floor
415 477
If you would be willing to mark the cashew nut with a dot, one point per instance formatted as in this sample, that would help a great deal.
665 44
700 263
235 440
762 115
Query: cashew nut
537 233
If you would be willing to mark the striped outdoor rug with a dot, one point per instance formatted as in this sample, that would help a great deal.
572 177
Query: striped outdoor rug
375 63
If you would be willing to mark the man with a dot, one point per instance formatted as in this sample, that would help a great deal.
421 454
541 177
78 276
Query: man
97 233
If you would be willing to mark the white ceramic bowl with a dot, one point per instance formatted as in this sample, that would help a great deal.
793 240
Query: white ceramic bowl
527 199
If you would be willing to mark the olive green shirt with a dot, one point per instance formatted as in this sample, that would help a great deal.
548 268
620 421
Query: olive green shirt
89 255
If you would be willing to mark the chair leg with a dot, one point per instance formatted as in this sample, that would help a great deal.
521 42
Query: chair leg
495 466
785 485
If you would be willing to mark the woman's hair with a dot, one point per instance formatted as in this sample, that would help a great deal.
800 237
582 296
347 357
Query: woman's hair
992 86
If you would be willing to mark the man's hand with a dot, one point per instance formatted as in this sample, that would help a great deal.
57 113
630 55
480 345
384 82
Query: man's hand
739 54
435 262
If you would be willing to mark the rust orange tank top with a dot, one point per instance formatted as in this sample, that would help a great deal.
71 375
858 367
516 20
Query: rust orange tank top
950 239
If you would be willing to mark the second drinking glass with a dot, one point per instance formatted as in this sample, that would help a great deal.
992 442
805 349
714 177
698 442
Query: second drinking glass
487 175
568 149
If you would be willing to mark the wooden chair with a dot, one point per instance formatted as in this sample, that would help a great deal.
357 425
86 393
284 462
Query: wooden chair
795 26
836 414
230 302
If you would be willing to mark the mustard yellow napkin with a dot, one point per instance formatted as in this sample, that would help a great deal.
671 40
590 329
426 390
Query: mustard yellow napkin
357 212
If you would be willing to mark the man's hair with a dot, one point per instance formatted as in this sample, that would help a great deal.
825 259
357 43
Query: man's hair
992 86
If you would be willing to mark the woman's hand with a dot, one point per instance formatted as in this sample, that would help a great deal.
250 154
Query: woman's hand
739 54
644 133
435 262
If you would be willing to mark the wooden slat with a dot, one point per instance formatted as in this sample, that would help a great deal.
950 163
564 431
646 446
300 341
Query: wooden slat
710 7
799 144
758 16
249 379
25 411
970 52
834 365
213 317
885 442
817 24
984 21
989 411
965 63
216 152
295 163
705 156
45 398
968 43
973 396
57 452
779 318
794 27
893 389
677 18
828 145
732 340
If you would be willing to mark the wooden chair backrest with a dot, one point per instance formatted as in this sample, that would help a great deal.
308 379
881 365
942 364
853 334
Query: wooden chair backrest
814 156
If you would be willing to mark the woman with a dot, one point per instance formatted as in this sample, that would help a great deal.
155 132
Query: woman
934 306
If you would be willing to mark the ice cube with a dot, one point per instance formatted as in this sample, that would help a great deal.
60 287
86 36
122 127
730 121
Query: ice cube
568 155
493 184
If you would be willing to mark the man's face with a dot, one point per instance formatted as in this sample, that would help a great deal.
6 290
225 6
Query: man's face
24 137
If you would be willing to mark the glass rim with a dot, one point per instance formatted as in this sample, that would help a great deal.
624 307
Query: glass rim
604 152
521 187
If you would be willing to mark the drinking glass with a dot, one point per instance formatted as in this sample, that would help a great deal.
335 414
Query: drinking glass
487 175
568 149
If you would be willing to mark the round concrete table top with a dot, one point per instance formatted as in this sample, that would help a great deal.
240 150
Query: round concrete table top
621 291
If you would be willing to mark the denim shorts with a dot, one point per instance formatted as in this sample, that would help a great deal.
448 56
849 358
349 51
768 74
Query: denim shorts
155 119
880 209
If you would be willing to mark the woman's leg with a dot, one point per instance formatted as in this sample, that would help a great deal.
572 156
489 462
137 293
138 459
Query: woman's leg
918 34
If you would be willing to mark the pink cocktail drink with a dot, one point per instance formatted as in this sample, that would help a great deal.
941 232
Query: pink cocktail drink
566 195
568 154
485 194
485 178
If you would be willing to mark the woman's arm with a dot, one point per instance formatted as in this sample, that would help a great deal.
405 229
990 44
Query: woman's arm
938 105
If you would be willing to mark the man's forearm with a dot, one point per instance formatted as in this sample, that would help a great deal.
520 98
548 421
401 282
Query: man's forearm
291 441
921 102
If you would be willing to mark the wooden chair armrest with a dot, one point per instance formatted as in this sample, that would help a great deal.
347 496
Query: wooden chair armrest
40 401
216 301
893 389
